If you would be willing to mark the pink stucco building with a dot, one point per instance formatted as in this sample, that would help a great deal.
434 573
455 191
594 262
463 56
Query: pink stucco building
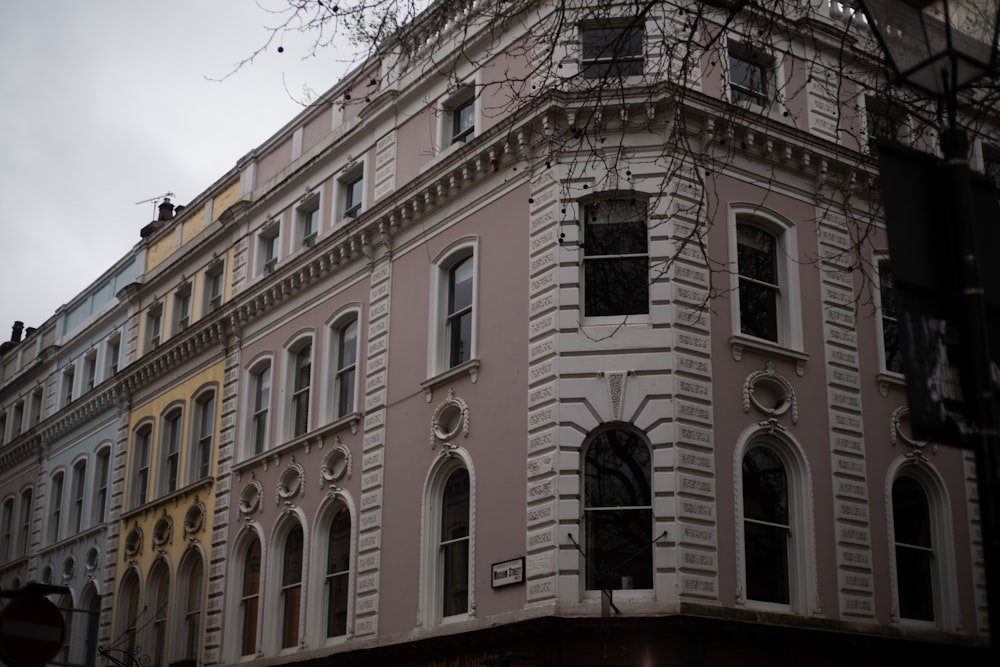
560 335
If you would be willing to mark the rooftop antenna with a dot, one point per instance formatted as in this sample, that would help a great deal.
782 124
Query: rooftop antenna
155 201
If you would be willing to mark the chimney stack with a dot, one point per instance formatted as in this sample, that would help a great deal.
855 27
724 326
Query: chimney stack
15 331
166 210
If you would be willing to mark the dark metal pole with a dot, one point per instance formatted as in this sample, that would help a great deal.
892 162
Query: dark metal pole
977 382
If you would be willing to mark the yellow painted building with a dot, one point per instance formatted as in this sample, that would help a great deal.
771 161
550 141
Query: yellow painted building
166 522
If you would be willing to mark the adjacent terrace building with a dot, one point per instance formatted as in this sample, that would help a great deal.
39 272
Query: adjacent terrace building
554 334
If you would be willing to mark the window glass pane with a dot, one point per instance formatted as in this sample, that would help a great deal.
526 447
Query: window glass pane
612 51
765 486
455 544
911 514
615 227
291 587
618 512
617 471
766 527
338 563
748 80
250 599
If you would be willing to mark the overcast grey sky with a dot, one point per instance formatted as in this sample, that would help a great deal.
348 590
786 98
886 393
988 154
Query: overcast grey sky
104 103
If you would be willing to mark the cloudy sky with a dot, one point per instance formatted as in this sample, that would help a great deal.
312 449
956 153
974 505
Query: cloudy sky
106 103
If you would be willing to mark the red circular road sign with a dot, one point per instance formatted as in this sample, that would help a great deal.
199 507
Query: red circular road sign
31 631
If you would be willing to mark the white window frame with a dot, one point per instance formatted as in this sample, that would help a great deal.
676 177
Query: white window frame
308 222
183 308
268 242
78 497
585 212
35 400
431 565
460 99
622 24
139 475
802 579
214 274
335 327
877 261
196 441
192 557
154 327
272 584
25 518
943 563
163 487
347 208
288 387
102 485
55 501
112 355
339 500
438 354
789 305
241 545
253 411
67 386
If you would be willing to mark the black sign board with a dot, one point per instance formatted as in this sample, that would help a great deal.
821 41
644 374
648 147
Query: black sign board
924 255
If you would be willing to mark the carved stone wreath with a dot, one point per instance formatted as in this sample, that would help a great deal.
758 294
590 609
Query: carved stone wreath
163 530
291 482
194 518
47 574
336 464
133 541
450 418
250 497
770 393
93 559
69 567
899 430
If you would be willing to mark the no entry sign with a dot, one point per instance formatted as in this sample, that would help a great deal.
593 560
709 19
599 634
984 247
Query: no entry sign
31 631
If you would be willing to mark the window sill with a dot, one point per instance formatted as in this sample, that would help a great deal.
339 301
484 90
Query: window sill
306 441
616 321
888 379
740 342
471 367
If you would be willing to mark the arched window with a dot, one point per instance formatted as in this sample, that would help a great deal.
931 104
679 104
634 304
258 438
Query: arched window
55 502
6 528
260 406
453 303
618 512
159 592
249 598
90 604
454 544
300 388
911 519
170 451
764 277
338 571
191 587
346 374
291 586
203 435
66 607
760 291
128 606
141 446
101 475
766 526
77 490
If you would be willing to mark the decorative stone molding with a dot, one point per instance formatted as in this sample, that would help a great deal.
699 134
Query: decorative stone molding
133 541
194 518
93 560
69 567
450 418
336 464
899 431
250 497
291 483
163 530
770 394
